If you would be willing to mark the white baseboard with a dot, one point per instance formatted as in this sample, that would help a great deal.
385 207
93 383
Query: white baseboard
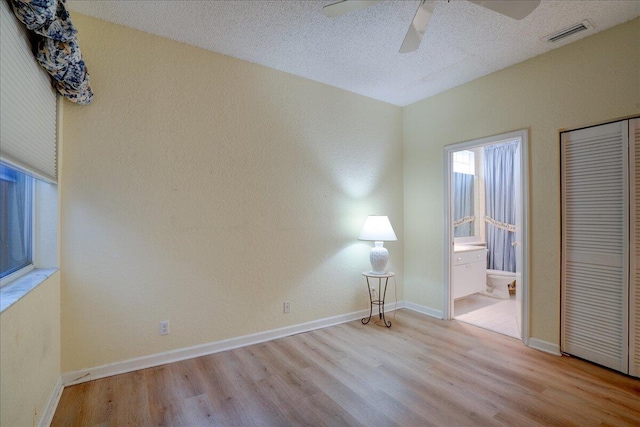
52 404
438 314
547 347
84 375
391 306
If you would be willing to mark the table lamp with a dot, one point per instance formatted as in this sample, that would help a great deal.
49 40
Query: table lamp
377 228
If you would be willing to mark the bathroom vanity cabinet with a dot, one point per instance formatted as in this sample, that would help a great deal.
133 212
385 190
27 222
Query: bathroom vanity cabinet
469 270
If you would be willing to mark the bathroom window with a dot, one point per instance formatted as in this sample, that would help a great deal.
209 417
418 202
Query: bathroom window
463 190
16 221
464 162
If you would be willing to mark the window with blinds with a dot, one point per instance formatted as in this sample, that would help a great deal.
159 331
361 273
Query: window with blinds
27 151
27 103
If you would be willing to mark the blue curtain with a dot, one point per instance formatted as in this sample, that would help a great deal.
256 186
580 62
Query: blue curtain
462 203
500 204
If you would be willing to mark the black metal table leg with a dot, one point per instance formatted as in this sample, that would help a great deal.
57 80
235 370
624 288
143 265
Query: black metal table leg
381 306
379 302
366 320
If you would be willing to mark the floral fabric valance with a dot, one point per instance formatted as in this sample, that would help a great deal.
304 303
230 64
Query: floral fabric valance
57 46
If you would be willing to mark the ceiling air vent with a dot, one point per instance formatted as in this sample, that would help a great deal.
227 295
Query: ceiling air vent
574 29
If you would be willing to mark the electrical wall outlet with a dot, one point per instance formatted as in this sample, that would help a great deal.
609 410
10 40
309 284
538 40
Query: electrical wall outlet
287 307
164 327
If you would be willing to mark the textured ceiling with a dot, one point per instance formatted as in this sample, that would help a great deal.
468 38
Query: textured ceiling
358 51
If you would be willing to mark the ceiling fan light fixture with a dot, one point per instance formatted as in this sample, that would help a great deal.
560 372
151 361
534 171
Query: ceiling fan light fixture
346 6
418 26
516 9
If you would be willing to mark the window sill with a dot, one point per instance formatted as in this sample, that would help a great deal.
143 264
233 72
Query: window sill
12 292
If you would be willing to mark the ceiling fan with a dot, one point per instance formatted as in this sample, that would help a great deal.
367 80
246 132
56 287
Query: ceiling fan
516 9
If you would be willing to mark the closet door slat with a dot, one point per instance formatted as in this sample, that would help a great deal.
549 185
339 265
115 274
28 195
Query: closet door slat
595 250
634 294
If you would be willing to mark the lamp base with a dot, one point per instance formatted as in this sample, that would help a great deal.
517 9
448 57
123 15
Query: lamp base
378 256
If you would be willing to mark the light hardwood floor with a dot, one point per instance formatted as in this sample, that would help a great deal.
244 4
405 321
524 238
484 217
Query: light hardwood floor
421 372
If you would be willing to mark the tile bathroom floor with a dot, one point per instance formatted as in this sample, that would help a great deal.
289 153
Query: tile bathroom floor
498 315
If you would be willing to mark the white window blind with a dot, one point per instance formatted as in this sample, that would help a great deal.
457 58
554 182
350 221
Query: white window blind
27 103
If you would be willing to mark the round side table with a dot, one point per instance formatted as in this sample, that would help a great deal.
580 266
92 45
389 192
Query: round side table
381 295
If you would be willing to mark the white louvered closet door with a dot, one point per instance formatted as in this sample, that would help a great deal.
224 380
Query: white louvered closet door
595 249
634 294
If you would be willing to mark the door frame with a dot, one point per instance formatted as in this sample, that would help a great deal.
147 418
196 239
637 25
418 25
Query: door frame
523 134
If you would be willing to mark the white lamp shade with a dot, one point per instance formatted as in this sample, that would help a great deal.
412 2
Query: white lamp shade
377 228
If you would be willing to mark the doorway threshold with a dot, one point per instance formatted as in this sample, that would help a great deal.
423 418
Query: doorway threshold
497 315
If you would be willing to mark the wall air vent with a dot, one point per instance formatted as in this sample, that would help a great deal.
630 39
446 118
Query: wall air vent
574 29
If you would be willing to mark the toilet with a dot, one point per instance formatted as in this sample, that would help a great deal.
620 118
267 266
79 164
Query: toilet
499 282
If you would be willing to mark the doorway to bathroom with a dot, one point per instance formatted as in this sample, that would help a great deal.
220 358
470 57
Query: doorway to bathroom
486 244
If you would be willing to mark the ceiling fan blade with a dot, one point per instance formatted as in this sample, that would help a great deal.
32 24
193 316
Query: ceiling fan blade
346 6
418 26
513 9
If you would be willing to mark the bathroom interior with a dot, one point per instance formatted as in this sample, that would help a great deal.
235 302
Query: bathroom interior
486 209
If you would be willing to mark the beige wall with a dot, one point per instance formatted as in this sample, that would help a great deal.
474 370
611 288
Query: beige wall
206 190
30 354
590 81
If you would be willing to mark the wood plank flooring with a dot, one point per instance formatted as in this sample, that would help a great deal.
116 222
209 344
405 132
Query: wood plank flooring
421 372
